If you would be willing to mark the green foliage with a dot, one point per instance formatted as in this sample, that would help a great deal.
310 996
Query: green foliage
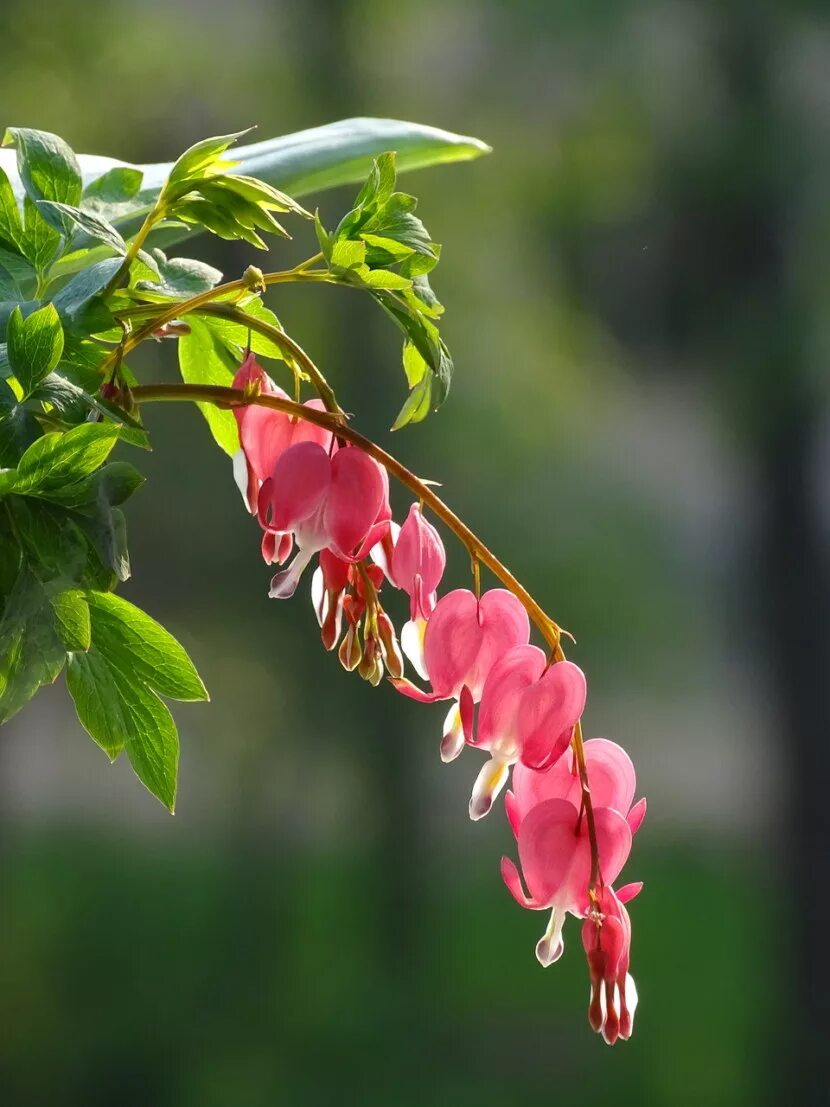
81 282
383 247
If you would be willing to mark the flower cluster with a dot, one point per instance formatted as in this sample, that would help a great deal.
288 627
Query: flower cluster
571 807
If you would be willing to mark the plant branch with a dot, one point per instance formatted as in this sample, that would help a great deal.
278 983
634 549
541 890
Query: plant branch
237 397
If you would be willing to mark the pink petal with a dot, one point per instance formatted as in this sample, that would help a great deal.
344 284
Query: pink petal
504 624
637 814
418 560
299 485
355 496
407 688
510 876
629 891
504 689
452 642
549 711
555 852
512 812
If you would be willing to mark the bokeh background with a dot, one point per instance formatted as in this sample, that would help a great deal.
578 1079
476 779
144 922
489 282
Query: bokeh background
636 284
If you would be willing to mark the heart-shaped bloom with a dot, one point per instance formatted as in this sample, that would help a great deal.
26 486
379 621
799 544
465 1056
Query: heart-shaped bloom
416 565
611 774
464 639
606 939
338 502
527 714
265 435
555 855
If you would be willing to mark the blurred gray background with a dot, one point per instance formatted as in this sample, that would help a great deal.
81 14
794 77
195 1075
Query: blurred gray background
635 282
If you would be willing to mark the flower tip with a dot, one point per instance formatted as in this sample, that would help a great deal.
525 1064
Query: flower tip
480 806
549 951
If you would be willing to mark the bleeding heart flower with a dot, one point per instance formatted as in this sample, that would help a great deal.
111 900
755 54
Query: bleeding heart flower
610 772
606 939
528 712
265 435
464 639
337 503
416 565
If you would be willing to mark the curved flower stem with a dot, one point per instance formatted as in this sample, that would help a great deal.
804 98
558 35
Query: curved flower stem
237 397
479 553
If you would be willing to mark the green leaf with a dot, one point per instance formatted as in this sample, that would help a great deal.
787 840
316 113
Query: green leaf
116 186
47 166
72 404
11 225
116 686
84 287
313 160
347 253
59 459
92 224
205 359
72 619
40 242
35 345
97 700
417 405
183 277
202 159
31 651
142 647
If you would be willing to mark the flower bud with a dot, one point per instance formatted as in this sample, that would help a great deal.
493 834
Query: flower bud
349 652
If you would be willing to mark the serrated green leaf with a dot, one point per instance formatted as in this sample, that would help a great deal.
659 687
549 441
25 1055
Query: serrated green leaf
143 647
72 619
34 345
263 194
204 359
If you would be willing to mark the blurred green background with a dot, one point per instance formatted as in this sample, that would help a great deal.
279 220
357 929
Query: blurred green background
635 282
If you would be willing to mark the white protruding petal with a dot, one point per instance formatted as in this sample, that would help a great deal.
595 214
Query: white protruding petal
412 644
319 596
452 742
551 945
489 783
284 584
631 997
240 475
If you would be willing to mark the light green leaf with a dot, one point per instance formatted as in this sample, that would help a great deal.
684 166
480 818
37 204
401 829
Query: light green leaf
58 459
47 166
417 405
11 225
205 359
308 161
72 619
97 700
35 345
142 647
202 159
40 241
347 253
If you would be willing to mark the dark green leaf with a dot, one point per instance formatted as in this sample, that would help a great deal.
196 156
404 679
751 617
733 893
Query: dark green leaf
31 651
116 186
40 241
75 295
11 226
92 224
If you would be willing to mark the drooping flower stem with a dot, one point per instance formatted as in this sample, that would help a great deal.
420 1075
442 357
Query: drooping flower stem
479 553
